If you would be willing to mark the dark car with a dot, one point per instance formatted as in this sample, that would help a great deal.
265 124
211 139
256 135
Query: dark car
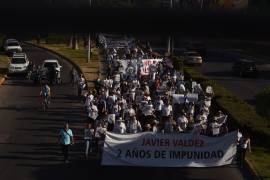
245 68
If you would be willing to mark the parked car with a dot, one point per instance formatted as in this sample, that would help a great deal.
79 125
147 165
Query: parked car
192 58
12 46
244 68
18 64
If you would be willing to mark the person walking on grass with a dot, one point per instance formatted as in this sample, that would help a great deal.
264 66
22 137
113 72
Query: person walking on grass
66 139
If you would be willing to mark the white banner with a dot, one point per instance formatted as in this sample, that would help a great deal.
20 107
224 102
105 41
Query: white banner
181 98
146 64
168 150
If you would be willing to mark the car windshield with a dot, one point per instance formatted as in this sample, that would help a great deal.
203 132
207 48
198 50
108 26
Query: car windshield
13 44
51 64
18 61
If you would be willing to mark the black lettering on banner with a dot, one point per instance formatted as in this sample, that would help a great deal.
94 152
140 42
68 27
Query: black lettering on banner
163 154
220 153
128 154
156 154
213 154
119 153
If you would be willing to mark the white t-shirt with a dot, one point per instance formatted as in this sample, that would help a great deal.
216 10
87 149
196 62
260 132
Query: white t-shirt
119 128
148 110
93 112
134 127
215 128
89 134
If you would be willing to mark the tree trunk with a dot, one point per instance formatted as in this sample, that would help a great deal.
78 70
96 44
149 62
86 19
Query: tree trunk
70 45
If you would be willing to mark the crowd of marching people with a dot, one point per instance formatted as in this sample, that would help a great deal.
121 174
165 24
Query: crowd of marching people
127 102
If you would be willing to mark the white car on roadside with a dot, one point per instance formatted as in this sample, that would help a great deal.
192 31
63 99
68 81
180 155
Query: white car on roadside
192 58
12 46
18 64
52 63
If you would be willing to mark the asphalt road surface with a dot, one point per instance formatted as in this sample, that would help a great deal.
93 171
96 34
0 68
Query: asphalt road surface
218 66
28 137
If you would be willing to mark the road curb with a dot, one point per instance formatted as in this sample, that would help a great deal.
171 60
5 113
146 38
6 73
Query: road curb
2 80
248 165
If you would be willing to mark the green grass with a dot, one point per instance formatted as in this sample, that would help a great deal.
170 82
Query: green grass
242 115
3 64
260 159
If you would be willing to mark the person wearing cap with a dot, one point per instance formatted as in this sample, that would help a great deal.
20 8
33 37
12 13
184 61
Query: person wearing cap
120 126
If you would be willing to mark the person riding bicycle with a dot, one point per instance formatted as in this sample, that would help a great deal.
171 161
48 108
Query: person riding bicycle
45 92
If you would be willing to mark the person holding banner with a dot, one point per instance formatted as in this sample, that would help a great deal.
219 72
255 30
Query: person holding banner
244 146
120 127
134 126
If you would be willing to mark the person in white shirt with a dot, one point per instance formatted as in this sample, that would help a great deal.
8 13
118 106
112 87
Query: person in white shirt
92 112
129 112
134 126
158 106
155 127
215 128
89 135
182 122
89 98
166 110
100 135
120 127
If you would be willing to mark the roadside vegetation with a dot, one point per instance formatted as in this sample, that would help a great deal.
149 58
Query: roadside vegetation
3 58
242 116
262 101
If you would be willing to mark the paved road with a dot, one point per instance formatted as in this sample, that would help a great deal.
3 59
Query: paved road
218 66
28 138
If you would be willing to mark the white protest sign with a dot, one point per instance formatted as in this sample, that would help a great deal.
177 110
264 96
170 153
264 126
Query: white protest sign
192 97
179 98
146 64
168 150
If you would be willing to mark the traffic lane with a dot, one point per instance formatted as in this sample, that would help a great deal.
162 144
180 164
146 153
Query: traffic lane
218 66
28 138
91 169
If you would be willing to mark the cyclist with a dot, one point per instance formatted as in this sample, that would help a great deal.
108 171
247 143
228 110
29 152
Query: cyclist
45 93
